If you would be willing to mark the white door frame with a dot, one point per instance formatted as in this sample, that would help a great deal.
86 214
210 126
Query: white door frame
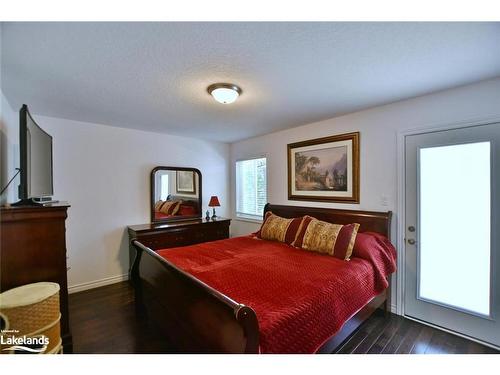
400 205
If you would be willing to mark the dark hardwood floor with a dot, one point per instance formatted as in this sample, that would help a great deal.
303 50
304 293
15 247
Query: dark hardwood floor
398 335
103 320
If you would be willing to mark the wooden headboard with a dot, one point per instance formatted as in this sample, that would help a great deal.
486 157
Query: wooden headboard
370 221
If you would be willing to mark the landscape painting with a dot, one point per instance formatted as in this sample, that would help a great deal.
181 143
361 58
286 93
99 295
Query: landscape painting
324 169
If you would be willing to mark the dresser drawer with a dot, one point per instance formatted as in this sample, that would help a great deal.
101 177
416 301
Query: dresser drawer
170 239
219 233
161 236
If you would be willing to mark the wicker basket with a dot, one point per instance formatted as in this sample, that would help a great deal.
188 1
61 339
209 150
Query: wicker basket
58 349
4 322
31 307
33 310
52 331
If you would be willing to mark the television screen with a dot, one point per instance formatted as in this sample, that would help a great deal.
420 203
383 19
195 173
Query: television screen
36 159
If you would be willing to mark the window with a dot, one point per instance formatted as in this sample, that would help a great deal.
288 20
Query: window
251 188
164 188
454 187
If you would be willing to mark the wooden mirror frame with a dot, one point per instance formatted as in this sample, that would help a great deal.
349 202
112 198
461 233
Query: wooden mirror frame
152 194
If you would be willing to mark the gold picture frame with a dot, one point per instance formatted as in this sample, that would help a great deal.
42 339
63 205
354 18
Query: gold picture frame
324 169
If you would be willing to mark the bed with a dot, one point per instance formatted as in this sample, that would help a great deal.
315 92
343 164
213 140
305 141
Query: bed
246 295
188 208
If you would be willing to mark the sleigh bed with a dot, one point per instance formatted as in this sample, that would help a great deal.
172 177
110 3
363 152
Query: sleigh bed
246 295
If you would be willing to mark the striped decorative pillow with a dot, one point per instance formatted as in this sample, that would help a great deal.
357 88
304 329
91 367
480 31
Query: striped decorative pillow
158 205
170 207
276 228
332 239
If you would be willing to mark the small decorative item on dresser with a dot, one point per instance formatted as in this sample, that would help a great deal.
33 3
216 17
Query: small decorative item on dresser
214 202
207 215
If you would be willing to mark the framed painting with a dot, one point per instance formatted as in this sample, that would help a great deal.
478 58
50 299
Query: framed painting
324 169
185 182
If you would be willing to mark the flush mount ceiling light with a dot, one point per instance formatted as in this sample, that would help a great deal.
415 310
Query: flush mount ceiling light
225 93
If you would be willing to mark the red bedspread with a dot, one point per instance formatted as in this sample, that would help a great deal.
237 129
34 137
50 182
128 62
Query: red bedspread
300 298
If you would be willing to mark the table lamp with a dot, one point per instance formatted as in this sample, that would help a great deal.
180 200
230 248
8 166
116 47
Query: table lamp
214 202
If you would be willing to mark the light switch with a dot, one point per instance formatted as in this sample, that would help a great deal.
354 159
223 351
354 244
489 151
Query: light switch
384 200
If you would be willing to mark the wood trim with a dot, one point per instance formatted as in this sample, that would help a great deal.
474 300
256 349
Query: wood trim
350 326
370 221
152 194
166 227
28 213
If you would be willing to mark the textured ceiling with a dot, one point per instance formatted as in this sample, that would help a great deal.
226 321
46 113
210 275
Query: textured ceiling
153 76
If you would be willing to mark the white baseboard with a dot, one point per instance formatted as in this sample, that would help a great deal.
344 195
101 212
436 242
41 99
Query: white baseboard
97 283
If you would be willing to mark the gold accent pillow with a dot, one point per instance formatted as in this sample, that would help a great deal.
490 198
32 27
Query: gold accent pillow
333 239
170 207
277 228
158 205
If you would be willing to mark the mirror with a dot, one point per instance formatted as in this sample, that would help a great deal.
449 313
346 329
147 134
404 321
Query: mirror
175 194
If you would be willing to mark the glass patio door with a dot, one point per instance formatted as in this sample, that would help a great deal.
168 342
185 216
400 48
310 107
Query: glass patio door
452 205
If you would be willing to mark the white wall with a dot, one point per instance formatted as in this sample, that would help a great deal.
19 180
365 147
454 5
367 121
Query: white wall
378 129
103 172
9 139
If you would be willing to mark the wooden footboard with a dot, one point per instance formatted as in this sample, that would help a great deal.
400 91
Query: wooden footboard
334 343
194 316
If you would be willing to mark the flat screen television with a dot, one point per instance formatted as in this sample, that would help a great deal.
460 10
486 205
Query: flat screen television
35 146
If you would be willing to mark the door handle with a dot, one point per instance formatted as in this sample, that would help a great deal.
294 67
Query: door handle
411 228
411 241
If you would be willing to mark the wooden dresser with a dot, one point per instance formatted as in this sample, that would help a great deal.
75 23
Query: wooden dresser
181 233
33 249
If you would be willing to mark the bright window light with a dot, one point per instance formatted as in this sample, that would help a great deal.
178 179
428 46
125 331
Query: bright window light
251 188
455 214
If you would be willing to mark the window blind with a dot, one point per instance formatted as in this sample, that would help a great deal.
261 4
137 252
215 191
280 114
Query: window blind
251 188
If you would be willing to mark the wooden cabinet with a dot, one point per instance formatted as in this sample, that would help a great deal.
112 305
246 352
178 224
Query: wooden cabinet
33 249
182 233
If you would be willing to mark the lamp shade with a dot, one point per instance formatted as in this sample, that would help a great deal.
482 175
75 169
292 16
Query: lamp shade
214 201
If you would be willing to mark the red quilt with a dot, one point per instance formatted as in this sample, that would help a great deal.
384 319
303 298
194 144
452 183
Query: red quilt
301 298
